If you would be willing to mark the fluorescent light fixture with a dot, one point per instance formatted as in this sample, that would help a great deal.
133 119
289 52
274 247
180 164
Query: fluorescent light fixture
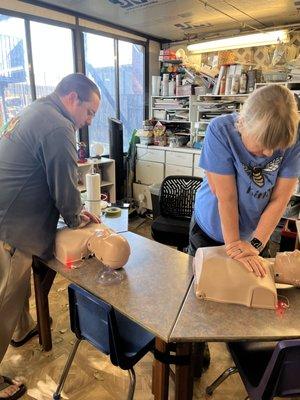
237 42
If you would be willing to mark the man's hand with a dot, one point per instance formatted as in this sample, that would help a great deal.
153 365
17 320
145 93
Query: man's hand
240 249
254 264
87 217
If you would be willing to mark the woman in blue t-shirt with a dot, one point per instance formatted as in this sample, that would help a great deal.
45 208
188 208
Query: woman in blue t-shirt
252 163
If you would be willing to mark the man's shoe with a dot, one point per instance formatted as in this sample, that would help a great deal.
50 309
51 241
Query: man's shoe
34 332
30 335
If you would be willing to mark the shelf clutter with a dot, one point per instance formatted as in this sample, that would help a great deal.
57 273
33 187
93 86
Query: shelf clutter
170 122
171 108
187 95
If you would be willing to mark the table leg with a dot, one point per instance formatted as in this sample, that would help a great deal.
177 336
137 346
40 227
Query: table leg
184 374
43 279
160 374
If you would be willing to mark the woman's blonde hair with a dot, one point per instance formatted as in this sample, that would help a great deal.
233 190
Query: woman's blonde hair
270 115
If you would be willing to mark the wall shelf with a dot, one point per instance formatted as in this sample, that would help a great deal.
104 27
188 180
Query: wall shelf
106 167
159 111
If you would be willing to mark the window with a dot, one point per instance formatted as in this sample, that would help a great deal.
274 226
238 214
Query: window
53 58
100 67
52 53
14 74
131 76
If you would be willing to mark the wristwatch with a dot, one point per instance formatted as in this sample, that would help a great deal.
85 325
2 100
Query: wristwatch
257 244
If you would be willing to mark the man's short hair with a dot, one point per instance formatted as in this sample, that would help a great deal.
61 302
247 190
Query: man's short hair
79 83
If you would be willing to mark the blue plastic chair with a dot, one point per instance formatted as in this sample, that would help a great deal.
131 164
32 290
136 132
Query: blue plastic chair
109 331
267 369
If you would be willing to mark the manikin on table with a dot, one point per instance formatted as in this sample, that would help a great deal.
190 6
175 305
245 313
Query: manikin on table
220 278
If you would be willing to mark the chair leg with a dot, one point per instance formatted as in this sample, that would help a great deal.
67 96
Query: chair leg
211 388
132 384
56 395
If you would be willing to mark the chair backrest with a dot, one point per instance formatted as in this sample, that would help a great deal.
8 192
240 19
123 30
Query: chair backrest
281 378
90 317
105 328
177 195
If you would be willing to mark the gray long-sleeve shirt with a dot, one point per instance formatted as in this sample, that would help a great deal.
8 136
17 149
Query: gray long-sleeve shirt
38 176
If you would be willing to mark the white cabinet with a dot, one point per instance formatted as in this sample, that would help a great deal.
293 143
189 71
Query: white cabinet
106 168
147 154
178 170
150 169
179 163
154 163
198 171
148 172
178 158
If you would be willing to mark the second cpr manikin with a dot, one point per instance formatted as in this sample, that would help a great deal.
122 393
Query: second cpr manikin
220 278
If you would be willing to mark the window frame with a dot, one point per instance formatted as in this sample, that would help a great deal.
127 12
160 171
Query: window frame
78 52
117 38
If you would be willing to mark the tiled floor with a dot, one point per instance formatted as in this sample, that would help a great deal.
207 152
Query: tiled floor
92 376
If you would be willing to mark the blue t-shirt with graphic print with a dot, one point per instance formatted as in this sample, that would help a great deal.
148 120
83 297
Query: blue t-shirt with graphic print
224 153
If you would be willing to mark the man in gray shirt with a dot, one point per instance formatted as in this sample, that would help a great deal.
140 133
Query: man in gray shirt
38 182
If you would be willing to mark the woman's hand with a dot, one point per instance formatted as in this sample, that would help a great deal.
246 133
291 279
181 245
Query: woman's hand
240 249
254 264
248 255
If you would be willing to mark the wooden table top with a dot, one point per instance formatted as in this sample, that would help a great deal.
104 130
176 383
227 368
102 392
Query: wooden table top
157 280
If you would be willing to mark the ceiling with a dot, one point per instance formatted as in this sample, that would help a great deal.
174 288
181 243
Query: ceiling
177 20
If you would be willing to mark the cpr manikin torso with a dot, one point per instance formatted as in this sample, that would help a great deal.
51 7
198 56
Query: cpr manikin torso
73 245
220 278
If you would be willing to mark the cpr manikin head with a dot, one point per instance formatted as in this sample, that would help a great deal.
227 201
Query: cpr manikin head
286 268
110 248
72 245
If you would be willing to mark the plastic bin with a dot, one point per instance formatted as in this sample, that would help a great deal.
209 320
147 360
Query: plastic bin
155 190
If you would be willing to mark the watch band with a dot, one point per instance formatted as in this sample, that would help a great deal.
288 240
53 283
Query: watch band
256 243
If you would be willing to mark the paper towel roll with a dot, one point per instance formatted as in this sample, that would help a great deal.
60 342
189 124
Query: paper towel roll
94 207
93 195
155 85
93 183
